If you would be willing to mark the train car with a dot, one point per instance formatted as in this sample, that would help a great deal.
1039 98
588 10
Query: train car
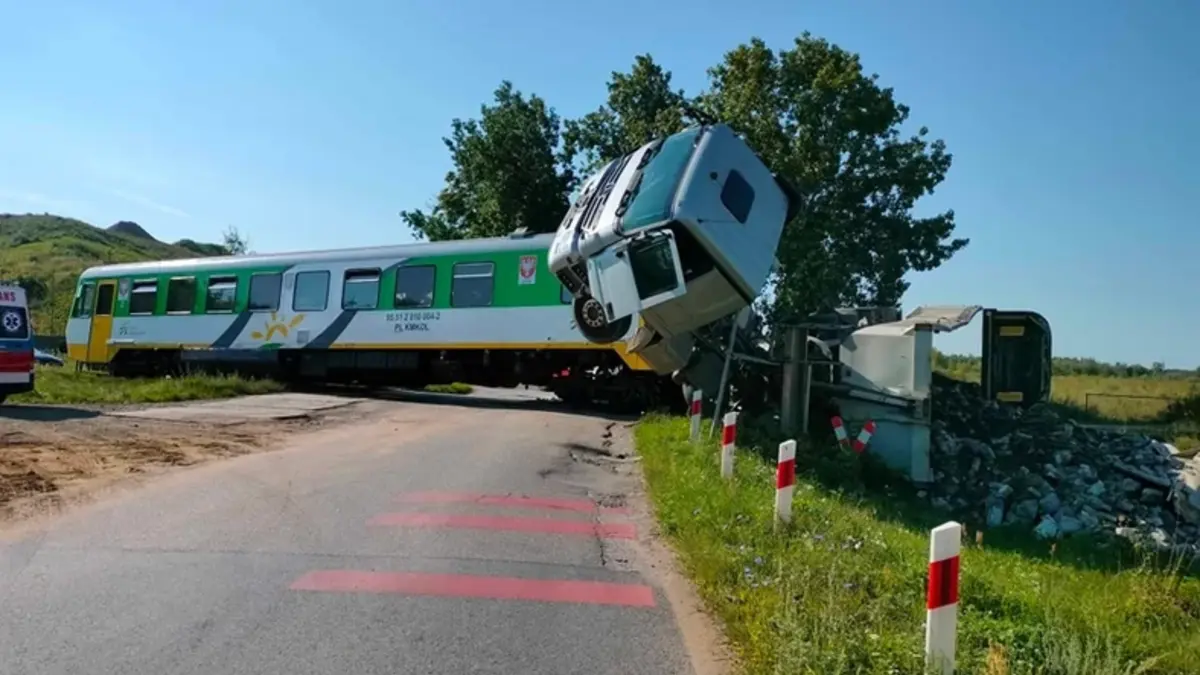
16 343
483 311
680 233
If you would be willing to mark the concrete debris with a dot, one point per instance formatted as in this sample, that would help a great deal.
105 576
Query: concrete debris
1034 468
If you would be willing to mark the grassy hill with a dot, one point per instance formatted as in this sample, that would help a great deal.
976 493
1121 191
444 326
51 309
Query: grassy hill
53 251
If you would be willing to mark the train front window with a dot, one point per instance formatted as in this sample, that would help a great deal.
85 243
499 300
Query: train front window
83 305
656 190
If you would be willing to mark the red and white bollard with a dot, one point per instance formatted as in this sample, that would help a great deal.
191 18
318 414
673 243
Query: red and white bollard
864 437
839 431
728 440
697 402
785 481
941 620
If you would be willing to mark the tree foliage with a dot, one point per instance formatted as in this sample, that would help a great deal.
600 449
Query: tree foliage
809 110
509 172
234 242
641 106
835 133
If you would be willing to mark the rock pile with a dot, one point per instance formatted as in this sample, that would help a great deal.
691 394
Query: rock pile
1036 468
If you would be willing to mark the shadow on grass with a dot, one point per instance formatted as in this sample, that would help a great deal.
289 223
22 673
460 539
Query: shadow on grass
45 413
892 498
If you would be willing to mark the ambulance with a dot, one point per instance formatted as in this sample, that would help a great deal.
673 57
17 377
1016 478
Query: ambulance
16 343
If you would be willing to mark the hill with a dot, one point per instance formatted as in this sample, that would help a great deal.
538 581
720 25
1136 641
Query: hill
48 252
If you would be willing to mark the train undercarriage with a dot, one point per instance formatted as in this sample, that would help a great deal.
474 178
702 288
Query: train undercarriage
581 378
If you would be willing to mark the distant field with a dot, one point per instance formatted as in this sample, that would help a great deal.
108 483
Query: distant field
1122 398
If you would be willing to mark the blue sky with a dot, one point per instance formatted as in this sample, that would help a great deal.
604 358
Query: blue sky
312 124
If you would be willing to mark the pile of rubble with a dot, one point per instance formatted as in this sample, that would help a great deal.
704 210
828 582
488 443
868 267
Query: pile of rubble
1012 466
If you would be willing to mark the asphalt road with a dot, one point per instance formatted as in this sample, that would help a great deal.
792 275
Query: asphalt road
436 539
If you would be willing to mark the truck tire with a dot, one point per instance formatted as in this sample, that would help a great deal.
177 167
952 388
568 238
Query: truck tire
589 316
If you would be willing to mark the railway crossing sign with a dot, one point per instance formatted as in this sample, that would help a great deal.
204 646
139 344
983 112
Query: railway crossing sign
528 270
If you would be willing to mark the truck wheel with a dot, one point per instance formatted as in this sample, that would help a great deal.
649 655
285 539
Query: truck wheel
589 316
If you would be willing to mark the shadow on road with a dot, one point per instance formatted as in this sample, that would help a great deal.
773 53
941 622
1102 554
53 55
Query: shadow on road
514 399
45 413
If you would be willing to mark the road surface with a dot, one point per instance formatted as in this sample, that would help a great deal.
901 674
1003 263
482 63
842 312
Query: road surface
427 539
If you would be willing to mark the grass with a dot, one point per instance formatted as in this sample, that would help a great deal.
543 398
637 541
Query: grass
842 589
57 386
452 388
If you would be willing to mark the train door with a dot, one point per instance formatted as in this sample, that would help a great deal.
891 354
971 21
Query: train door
100 331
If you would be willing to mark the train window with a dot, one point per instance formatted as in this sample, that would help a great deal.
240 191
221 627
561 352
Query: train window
737 196
144 297
83 303
181 295
472 284
222 294
264 292
414 286
360 289
311 293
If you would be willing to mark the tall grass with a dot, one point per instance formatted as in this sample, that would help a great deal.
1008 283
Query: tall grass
841 590
65 386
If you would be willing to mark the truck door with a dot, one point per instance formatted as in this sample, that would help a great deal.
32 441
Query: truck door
100 331
1016 357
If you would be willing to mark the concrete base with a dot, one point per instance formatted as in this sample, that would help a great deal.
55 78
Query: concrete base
243 409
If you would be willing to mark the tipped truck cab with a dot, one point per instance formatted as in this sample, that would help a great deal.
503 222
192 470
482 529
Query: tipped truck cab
680 233
16 343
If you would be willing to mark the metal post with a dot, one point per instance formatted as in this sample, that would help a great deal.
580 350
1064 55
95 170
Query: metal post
791 417
805 389
712 429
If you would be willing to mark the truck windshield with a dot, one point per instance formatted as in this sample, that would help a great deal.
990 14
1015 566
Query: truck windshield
660 178
14 323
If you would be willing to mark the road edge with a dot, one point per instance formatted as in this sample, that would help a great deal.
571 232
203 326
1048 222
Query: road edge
704 639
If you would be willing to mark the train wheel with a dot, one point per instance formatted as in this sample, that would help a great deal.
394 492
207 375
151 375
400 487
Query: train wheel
589 316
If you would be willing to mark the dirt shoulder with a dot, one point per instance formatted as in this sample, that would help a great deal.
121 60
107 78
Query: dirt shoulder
52 457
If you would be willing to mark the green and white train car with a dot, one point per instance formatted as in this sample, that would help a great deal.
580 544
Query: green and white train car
485 311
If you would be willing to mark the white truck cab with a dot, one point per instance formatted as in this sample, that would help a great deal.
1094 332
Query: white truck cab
681 233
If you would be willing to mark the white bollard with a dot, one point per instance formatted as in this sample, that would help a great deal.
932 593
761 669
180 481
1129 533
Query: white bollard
839 431
697 401
941 620
864 437
728 440
785 481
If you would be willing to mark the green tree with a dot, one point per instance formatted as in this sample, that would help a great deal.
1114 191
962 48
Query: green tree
817 119
233 242
510 171
641 106
835 133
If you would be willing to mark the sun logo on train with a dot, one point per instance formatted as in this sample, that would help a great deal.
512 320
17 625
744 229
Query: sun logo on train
277 324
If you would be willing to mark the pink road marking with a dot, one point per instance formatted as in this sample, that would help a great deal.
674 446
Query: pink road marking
542 525
517 501
463 585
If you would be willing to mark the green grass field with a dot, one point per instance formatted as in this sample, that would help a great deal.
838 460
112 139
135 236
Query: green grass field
842 590
64 386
